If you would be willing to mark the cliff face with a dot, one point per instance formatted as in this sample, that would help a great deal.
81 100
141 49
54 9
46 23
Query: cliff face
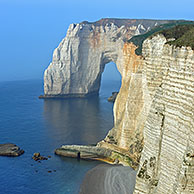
140 80
130 108
153 112
80 58
167 159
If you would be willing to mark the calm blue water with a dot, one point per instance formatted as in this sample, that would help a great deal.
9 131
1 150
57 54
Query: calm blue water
43 125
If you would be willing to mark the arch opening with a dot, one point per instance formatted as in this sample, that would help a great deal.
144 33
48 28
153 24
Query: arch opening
110 80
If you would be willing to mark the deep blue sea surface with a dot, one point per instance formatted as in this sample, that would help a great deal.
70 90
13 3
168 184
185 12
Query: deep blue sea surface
44 125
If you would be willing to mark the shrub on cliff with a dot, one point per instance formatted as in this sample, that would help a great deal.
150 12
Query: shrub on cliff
177 30
184 35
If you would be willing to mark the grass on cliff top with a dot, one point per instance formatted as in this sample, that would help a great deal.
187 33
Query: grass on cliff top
182 31
184 35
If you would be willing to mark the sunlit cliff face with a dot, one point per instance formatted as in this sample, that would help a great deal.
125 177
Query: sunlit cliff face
131 107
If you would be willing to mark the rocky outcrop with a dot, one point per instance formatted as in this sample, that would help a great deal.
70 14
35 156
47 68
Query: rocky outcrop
113 156
37 157
83 152
10 149
130 112
80 58
113 97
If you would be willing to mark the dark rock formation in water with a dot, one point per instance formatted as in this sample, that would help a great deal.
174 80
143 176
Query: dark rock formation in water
113 97
37 157
10 149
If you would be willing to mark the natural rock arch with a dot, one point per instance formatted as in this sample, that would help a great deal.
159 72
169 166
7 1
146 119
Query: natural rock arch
80 58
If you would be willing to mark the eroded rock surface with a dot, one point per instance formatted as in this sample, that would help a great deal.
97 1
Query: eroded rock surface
10 149
96 153
84 152
130 109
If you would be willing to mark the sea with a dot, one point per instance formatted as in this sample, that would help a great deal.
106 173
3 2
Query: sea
38 125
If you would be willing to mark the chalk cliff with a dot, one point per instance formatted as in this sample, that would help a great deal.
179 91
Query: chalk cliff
153 112
80 58
167 159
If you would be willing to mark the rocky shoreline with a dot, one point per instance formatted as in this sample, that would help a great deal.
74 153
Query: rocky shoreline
84 152
111 156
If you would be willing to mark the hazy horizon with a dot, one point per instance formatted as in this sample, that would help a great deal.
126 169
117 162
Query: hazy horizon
31 30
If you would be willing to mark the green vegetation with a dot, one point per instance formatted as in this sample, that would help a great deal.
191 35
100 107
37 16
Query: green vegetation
123 158
182 31
184 35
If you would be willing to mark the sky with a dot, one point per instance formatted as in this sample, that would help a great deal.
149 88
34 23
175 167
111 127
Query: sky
31 29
